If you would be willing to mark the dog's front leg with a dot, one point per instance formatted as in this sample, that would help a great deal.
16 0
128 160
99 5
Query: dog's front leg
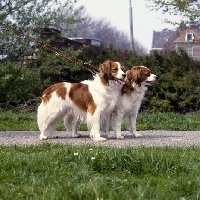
132 120
117 121
106 124
93 123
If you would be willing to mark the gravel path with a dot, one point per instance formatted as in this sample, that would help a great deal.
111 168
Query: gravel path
149 138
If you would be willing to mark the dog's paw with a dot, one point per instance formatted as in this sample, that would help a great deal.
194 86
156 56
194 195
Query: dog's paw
76 135
120 137
100 139
43 137
137 135
111 136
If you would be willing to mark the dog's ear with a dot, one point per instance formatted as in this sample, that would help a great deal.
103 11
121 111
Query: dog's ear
127 88
129 76
122 67
104 72
137 75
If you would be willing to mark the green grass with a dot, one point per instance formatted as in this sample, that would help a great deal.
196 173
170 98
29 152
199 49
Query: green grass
69 172
145 121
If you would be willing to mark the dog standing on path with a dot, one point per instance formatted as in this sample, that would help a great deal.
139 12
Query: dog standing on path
93 101
138 78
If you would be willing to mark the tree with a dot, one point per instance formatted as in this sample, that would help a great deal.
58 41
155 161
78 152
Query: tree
18 82
29 16
102 29
188 9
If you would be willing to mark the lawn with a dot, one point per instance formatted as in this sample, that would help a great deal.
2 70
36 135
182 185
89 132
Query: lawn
87 172
53 171
145 121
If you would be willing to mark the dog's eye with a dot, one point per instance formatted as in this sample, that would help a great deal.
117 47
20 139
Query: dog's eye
114 70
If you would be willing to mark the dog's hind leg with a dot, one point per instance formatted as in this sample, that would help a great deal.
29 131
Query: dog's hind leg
47 125
68 120
71 124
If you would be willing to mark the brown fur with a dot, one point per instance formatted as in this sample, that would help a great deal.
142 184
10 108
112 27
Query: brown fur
60 91
137 74
127 88
80 95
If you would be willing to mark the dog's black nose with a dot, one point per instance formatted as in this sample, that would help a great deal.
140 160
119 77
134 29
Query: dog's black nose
124 75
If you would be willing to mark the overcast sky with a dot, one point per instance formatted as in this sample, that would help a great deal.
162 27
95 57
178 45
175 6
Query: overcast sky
117 12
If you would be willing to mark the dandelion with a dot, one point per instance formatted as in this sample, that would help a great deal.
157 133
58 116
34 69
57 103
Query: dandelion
93 158
75 154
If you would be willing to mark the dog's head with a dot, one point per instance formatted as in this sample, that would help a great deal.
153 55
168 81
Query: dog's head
140 75
111 71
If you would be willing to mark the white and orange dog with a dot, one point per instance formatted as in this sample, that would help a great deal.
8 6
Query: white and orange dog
92 102
129 102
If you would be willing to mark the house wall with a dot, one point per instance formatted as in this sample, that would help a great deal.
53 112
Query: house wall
196 52
192 49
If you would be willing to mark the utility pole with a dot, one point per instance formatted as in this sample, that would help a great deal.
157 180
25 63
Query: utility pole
131 28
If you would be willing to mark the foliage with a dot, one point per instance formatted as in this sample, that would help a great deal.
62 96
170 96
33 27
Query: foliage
28 17
188 9
177 85
177 88
18 85
103 30
88 172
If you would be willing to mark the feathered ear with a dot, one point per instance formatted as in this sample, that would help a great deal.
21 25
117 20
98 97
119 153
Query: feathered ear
137 75
127 88
104 74
129 76
122 67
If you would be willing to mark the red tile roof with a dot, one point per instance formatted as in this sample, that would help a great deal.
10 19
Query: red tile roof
182 37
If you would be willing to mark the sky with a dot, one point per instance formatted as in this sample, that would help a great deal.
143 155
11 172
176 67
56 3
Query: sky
117 12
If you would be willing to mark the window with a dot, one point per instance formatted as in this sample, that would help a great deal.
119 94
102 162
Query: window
96 42
189 51
189 37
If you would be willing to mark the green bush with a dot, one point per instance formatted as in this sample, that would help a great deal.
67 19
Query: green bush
177 86
19 85
176 89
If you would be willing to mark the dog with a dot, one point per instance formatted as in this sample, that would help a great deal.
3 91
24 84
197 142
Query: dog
78 101
138 78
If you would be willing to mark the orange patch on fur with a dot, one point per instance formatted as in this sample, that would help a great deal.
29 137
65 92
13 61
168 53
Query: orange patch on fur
60 89
80 95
